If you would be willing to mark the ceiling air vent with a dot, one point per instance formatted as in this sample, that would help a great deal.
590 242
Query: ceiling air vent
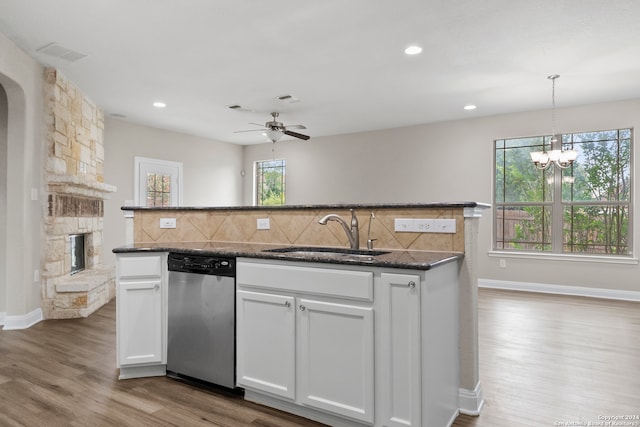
289 99
237 107
54 49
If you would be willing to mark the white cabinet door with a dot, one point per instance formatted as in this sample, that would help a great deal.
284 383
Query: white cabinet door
140 323
266 342
335 365
401 354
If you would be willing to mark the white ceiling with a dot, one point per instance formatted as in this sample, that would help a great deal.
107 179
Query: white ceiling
343 58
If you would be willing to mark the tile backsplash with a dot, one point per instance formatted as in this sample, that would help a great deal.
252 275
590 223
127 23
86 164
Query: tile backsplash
298 227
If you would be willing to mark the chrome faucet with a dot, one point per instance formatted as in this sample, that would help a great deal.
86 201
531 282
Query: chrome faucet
369 239
352 233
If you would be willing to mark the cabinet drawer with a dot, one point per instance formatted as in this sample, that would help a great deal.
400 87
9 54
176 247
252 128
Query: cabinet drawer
319 281
139 266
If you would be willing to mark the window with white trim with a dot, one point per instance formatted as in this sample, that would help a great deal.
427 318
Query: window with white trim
270 182
585 208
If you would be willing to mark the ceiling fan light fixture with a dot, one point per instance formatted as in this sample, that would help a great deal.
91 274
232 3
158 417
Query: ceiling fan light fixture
273 135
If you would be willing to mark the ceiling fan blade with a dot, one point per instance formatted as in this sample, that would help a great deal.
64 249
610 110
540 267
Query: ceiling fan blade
257 124
296 127
296 135
250 130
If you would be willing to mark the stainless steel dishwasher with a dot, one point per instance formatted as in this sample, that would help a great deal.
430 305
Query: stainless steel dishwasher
201 318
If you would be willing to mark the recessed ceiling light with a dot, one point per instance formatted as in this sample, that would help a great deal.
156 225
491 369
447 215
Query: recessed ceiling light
469 107
159 104
413 50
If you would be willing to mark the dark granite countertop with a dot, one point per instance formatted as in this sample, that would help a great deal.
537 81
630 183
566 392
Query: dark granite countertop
437 205
416 260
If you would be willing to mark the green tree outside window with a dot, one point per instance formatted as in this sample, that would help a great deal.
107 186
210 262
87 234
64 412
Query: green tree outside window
270 182
582 209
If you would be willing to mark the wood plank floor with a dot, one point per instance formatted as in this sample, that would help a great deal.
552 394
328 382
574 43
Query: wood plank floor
543 359
63 373
547 360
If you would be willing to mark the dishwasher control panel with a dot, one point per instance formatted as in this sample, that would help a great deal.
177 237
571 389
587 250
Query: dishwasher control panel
202 264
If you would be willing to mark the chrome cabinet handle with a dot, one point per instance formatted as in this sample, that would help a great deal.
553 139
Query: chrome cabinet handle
411 284
302 308
287 304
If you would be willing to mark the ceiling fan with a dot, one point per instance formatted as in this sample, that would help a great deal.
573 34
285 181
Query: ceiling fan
275 129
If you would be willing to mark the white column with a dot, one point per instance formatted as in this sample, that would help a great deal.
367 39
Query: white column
470 391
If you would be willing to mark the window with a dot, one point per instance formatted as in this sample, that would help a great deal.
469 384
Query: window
157 183
583 209
158 190
270 182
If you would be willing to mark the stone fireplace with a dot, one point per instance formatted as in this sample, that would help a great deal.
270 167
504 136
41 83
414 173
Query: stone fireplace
75 203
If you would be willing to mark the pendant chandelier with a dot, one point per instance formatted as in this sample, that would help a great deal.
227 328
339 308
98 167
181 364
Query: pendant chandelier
561 158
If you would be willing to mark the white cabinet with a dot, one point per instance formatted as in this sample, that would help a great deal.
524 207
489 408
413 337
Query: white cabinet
141 314
401 352
335 343
265 342
350 346
306 334
140 307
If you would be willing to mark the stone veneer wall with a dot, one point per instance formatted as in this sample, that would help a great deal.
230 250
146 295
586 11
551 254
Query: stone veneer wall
298 227
74 175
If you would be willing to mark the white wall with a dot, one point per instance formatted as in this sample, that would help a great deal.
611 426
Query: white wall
450 161
4 113
211 170
22 80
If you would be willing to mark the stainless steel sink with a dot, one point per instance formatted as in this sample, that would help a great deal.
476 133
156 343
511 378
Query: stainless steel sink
312 251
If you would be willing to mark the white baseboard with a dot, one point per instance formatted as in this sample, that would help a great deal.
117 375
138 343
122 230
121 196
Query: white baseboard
470 401
560 289
23 321
2 316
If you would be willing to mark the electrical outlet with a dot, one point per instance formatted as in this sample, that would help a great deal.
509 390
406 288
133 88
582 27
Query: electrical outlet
502 263
167 223
444 225
423 225
263 224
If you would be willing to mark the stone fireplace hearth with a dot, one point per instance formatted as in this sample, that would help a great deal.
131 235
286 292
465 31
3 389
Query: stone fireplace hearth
75 202
75 207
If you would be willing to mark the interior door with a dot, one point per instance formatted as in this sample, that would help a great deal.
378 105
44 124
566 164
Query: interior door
157 182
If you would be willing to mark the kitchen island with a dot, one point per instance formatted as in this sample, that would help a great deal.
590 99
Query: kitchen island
364 340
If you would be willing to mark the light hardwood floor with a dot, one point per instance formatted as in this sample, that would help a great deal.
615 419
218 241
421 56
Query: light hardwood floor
543 360
546 360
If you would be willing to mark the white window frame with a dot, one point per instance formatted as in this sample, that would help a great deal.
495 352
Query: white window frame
140 162
632 259
255 179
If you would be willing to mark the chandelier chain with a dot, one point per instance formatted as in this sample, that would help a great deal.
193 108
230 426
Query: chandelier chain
553 78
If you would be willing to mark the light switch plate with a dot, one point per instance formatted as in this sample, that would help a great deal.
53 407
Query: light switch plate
403 224
167 223
444 225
